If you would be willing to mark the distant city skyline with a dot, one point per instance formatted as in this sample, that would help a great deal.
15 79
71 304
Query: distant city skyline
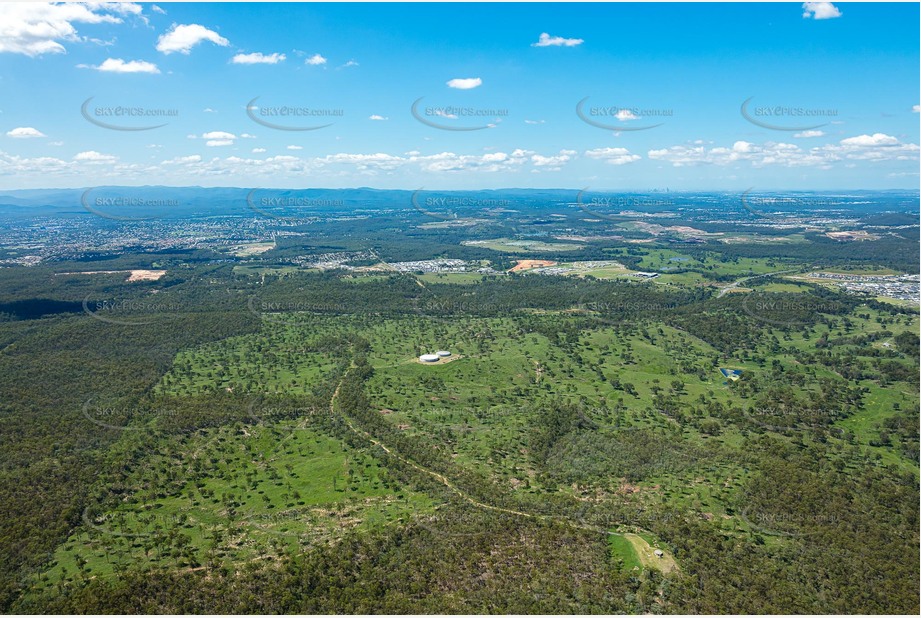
686 97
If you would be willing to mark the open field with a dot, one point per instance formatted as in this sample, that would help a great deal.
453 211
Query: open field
133 275
299 488
249 249
522 246
266 270
647 557
457 278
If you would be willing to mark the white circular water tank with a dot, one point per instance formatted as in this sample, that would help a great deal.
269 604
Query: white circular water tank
443 353
429 358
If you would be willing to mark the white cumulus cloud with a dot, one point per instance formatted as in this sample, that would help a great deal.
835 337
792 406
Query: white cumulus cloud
820 10
552 163
465 83
614 156
24 133
258 58
182 38
183 160
218 138
876 147
810 133
117 65
877 139
91 156
545 40
36 28
347 167
315 60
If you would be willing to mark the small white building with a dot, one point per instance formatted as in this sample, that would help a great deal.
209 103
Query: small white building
659 553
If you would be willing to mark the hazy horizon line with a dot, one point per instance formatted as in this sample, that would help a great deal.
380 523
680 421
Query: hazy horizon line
592 189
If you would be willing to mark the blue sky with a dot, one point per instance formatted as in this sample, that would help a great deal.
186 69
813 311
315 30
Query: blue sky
832 93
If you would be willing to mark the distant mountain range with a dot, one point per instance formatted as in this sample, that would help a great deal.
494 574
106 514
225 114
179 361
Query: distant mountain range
184 202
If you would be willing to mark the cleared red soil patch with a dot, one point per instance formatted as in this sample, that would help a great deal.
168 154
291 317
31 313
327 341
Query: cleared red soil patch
526 264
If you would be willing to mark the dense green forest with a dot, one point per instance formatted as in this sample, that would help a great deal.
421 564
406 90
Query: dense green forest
578 412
